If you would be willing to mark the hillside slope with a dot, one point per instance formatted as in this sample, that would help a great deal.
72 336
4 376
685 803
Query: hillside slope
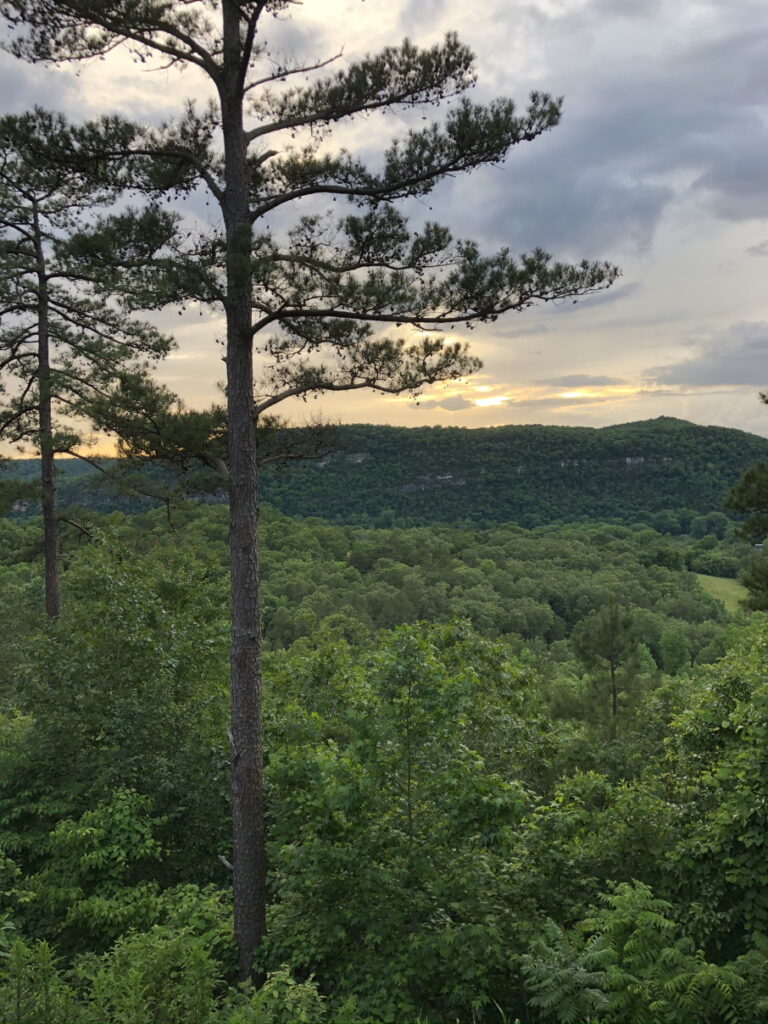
526 474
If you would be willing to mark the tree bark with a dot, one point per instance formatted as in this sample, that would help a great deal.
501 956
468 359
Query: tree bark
247 787
45 423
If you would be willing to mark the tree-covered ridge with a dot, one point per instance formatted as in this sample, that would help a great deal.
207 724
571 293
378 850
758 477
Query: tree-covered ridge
664 468
524 474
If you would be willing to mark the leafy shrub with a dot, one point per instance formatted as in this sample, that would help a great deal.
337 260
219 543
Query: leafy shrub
161 976
157 977
280 1000
32 989
628 961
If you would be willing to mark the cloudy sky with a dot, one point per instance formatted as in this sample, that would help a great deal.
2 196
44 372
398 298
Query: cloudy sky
660 165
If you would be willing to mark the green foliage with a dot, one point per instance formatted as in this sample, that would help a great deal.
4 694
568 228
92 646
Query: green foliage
755 579
435 795
32 989
438 791
531 475
750 497
20 602
390 826
93 886
562 977
15 492
608 639
116 775
717 756
281 1000
160 976
607 636
629 961
675 650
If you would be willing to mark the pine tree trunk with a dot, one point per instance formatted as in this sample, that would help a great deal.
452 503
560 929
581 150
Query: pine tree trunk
247 788
45 424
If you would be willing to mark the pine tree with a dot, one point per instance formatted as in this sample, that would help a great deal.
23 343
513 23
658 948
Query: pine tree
311 304
750 497
60 342
607 639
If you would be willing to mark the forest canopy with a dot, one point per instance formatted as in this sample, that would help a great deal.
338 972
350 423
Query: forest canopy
458 821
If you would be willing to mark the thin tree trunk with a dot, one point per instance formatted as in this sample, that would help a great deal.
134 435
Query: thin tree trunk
45 423
249 848
614 694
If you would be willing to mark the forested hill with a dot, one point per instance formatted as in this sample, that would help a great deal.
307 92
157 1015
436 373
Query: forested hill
526 474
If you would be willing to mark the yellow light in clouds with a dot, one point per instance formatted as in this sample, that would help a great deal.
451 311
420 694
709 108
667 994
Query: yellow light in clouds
496 400
614 391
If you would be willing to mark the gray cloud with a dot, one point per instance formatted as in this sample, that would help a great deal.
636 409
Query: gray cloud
560 202
686 392
578 380
736 180
516 331
558 402
419 14
614 294
20 87
662 118
453 404
631 9
676 103
695 110
644 124
737 355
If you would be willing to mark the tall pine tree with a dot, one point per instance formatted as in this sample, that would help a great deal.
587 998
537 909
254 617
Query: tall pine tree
312 304
61 342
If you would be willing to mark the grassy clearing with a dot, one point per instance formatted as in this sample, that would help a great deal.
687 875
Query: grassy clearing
730 592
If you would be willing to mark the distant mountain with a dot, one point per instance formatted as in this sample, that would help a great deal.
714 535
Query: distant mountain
526 474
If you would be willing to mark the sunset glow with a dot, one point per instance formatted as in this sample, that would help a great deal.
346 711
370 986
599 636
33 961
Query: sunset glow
683 333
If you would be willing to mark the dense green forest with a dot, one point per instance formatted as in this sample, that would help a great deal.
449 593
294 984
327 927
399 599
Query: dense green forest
360 725
512 774
663 471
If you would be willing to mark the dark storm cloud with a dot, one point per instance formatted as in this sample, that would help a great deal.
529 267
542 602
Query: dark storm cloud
737 355
578 380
